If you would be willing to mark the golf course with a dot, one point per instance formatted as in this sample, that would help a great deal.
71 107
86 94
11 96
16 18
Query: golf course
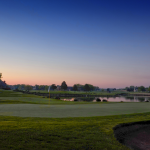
75 75
29 121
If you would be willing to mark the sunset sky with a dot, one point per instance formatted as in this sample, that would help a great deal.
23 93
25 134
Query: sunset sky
101 42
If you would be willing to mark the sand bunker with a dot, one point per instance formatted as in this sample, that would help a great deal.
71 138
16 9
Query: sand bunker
134 135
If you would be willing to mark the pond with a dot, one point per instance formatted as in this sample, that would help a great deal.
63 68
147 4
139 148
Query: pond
111 99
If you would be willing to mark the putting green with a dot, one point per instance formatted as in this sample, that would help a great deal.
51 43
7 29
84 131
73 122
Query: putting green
78 110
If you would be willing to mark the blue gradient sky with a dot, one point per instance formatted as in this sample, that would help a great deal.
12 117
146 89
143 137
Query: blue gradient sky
101 42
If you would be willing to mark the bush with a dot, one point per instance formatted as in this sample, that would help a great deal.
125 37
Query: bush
87 98
98 100
7 88
57 97
104 100
76 99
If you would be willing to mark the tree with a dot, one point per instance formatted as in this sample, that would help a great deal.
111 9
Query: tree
46 87
96 88
40 87
86 87
21 86
141 88
75 88
108 90
17 86
64 85
53 86
80 87
149 89
37 87
28 87
91 87
0 76
132 88
129 89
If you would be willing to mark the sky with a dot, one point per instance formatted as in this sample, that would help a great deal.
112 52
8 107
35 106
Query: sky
105 43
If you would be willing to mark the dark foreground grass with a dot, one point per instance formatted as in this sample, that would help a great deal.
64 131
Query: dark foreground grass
64 133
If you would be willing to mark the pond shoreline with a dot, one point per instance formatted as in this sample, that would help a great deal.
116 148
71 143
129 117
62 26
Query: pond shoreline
139 94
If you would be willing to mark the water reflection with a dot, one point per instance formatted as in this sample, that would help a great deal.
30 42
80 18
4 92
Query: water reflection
141 99
129 98
111 99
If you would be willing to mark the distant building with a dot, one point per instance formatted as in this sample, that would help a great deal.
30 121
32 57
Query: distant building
11 87
34 88
135 89
58 87
112 89
80 88
69 88
96 88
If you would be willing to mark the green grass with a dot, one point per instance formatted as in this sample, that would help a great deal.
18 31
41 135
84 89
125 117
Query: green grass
58 108
66 133
37 100
145 92
71 110
81 92
13 102
10 93
71 133
10 97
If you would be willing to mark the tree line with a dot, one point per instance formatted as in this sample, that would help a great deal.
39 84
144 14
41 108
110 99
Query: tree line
139 89
64 86
76 87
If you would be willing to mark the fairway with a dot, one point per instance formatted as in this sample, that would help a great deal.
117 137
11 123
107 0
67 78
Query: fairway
78 110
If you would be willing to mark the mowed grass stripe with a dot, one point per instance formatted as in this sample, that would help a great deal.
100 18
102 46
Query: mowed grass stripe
78 110
34 100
